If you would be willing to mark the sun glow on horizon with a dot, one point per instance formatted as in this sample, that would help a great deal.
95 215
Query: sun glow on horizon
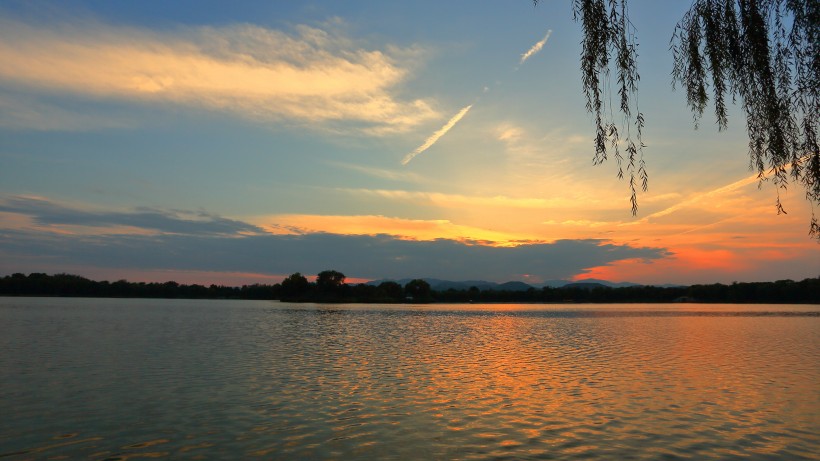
233 143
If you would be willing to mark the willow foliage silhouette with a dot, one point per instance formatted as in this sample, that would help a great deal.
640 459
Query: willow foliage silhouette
763 53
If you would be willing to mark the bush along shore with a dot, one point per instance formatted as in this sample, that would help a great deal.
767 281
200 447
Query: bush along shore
330 286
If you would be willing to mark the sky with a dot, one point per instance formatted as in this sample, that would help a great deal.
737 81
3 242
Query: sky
239 142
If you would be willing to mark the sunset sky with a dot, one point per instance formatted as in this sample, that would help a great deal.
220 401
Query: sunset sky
239 142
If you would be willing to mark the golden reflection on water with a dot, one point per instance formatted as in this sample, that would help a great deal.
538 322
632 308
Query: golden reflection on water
478 383
568 381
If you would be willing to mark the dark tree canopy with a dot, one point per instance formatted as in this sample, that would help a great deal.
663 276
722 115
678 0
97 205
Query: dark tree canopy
781 291
763 53
419 290
329 280
391 290
295 284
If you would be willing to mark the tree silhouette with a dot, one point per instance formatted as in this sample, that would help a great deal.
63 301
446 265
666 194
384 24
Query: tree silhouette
295 285
764 53
390 290
330 280
418 290
781 291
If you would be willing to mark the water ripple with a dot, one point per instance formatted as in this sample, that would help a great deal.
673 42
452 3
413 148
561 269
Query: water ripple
136 379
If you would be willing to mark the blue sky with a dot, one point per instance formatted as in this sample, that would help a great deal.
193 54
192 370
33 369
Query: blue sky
219 142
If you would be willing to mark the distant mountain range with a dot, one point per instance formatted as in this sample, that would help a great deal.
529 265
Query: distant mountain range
443 285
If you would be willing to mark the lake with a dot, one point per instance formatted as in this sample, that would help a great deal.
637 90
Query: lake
116 379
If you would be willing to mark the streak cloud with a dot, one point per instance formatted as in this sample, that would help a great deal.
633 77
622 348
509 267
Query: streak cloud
437 135
535 48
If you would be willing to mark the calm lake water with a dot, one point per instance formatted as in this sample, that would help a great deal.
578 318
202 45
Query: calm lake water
116 379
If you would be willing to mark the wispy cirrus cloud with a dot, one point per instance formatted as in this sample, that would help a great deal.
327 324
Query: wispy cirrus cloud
310 75
437 135
27 113
460 200
382 173
61 218
401 228
539 154
535 48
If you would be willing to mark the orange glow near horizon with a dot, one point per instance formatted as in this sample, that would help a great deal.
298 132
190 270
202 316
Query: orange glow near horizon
223 143
724 235
407 229
721 240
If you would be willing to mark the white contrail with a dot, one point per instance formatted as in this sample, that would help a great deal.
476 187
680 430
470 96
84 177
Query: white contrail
720 190
727 188
438 134
535 48
669 210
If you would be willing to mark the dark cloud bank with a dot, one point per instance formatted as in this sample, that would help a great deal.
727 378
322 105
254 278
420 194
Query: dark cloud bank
211 243
45 212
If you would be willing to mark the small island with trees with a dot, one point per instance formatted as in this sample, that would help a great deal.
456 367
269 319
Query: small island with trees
329 287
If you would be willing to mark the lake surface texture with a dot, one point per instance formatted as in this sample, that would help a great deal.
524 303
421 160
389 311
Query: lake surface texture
116 379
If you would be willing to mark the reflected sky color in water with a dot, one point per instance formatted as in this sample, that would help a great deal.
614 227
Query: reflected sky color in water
113 379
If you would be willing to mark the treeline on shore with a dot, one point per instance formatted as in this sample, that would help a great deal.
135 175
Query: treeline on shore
330 286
